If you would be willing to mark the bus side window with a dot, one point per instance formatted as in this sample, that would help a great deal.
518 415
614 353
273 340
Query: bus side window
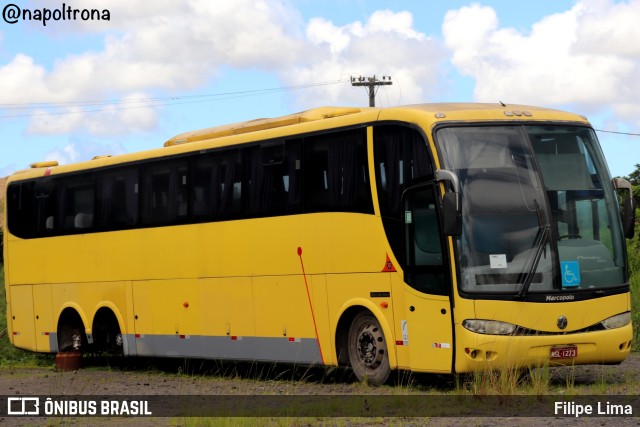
216 191
292 180
46 207
274 178
336 176
400 157
201 192
424 268
78 202
118 199
165 193
262 189
22 212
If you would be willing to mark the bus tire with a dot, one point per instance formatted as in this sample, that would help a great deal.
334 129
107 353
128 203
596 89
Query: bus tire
71 336
106 333
367 346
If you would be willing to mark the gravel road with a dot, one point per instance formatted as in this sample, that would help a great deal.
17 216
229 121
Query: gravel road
197 379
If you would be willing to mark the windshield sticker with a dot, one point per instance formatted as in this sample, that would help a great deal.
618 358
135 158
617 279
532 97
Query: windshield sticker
570 273
408 217
498 261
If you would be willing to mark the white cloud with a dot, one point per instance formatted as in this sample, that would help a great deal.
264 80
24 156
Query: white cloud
609 28
586 56
178 46
68 154
77 151
387 44
22 81
168 46
174 47
133 113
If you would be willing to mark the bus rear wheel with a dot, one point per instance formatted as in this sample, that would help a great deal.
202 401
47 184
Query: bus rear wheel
368 354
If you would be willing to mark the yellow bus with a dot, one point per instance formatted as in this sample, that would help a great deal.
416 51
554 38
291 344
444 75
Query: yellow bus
443 238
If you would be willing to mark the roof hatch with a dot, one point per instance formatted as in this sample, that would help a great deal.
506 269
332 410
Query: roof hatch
261 124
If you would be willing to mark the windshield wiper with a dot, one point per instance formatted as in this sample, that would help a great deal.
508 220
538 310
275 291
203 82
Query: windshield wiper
541 239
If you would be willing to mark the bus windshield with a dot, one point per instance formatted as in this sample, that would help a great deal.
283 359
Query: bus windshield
539 215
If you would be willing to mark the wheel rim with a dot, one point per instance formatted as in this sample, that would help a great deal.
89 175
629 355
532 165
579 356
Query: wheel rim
370 345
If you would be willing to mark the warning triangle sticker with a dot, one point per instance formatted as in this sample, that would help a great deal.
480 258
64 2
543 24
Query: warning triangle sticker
388 266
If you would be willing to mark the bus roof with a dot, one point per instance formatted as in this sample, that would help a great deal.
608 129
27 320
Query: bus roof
438 112
313 120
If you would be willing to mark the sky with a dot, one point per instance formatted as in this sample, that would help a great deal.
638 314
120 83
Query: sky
132 74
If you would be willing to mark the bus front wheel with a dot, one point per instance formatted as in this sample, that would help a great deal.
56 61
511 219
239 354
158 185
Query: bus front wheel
368 354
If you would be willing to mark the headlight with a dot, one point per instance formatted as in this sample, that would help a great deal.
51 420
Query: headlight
489 327
617 321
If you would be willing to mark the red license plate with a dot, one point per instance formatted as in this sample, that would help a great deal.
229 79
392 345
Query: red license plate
565 352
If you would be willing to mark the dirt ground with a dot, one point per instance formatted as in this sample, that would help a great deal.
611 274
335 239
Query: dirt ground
245 381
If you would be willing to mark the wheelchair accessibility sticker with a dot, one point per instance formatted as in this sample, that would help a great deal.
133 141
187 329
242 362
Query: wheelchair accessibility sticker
570 273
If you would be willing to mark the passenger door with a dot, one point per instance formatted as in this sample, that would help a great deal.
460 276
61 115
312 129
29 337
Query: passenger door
427 324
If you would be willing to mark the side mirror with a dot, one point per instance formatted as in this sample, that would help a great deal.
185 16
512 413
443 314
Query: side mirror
451 206
452 214
628 208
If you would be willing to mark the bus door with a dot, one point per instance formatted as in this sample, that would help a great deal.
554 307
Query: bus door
427 323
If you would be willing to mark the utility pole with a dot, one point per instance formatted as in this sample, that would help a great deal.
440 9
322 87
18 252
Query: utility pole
371 83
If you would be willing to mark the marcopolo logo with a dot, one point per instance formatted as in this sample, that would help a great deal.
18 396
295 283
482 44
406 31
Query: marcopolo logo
557 298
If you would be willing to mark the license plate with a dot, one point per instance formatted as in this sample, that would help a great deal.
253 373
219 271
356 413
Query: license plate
566 352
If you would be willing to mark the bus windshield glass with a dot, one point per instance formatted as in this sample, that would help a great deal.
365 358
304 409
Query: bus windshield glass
539 215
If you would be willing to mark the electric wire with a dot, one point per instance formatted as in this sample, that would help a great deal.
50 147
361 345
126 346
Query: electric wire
618 133
128 104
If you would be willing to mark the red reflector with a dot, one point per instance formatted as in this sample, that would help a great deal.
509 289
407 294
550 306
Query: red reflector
182 337
291 339
399 343
16 333
234 338
138 336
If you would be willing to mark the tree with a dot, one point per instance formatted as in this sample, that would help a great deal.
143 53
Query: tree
633 245
634 177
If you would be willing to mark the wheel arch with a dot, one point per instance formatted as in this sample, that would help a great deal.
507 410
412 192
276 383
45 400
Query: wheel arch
103 307
70 316
107 329
341 333
67 309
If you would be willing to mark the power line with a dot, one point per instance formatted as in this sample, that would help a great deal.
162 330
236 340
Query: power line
128 104
618 133
370 82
